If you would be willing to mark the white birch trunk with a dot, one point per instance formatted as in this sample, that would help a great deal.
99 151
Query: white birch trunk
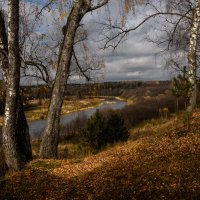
48 147
14 159
192 57
22 131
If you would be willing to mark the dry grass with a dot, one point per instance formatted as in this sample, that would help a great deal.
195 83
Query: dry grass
160 165
146 91
39 108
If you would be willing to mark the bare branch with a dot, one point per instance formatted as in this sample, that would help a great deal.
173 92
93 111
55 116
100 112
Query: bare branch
80 68
42 69
122 32
46 6
99 5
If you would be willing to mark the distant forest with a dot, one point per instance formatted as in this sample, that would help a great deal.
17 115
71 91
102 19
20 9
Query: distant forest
89 89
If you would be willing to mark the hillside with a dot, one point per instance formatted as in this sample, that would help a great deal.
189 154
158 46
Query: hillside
160 161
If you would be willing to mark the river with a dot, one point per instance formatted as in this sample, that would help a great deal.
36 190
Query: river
36 127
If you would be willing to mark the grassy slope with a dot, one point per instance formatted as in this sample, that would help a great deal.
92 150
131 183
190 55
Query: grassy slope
157 165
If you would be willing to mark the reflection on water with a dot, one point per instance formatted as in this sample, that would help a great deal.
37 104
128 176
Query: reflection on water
36 127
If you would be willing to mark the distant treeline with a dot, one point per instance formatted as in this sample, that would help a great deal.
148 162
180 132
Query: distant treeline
108 88
80 90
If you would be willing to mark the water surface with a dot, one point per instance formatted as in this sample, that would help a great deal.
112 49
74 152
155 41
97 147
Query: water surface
36 127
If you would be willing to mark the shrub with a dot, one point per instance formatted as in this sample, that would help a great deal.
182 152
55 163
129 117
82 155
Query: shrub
72 129
101 130
148 109
116 128
94 133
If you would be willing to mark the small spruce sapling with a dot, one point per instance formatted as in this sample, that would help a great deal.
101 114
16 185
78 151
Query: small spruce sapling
94 133
100 130
182 88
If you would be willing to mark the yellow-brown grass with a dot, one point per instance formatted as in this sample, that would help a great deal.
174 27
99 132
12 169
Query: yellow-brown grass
40 107
161 165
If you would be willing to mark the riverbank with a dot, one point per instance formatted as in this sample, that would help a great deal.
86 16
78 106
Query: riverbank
36 127
37 109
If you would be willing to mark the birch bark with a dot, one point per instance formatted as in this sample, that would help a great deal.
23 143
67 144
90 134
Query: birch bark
22 129
48 147
14 152
192 56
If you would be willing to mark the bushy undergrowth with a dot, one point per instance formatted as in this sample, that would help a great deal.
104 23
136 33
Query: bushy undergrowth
96 136
72 129
100 130
148 109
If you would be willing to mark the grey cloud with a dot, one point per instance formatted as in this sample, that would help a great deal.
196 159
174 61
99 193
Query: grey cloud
134 59
153 74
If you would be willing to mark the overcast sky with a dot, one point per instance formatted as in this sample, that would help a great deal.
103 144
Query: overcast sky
134 59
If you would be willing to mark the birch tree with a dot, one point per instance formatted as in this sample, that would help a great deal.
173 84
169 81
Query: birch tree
192 62
22 131
183 37
48 148
180 26
16 142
